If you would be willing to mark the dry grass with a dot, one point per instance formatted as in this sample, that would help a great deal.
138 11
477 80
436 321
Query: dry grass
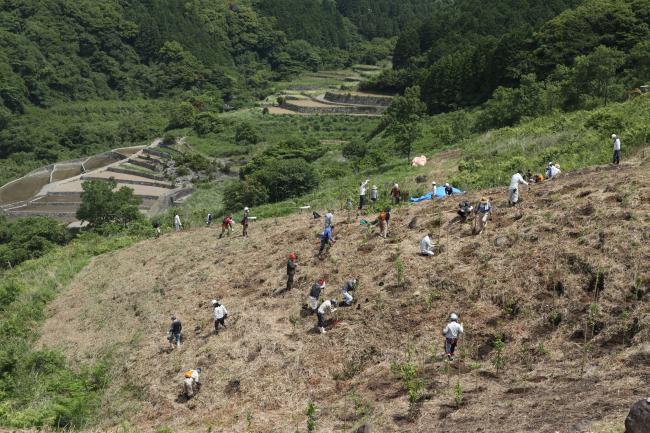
564 234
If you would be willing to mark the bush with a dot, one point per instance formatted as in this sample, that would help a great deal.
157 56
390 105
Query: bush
101 205
28 238
245 134
207 123
285 178
182 116
238 195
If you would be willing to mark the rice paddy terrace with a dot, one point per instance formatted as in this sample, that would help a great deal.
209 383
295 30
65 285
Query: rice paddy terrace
55 190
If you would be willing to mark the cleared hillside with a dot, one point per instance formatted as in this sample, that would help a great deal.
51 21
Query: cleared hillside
563 278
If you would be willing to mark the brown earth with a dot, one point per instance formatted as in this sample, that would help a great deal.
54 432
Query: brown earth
567 288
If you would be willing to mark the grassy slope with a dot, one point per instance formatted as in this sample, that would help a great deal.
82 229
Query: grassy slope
269 363
37 387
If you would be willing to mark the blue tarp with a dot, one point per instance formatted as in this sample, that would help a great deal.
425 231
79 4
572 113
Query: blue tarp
440 192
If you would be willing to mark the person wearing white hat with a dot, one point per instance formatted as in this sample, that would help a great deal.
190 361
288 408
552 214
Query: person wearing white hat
220 314
452 333
433 189
513 189
374 194
616 143
395 193
449 190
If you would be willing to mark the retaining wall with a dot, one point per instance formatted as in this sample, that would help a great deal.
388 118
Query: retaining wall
135 173
350 98
335 109
130 182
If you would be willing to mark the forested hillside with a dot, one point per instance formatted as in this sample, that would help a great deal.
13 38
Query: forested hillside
463 52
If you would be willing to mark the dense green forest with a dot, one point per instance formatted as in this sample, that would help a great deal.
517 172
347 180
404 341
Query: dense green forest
58 53
577 53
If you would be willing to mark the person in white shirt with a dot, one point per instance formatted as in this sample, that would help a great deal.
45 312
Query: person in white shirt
177 223
616 144
426 246
329 219
326 307
434 185
191 382
220 314
362 194
513 190
452 332
552 170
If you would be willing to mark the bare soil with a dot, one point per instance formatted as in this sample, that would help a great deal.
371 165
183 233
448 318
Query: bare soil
563 278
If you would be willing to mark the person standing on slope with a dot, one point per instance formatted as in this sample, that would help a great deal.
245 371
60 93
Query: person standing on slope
513 189
395 193
220 314
175 333
449 190
452 333
616 144
292 267
208 220
314 294
244 222
326 239
374 194
483 211
362 194
177 223
383 224
326 307
329 219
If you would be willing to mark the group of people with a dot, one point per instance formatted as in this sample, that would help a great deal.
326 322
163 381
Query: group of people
227 224
191 383
328 305
453 330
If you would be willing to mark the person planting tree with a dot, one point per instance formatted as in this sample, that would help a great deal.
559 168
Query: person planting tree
452 333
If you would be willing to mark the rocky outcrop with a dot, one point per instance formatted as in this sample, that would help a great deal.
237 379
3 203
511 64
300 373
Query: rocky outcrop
638 420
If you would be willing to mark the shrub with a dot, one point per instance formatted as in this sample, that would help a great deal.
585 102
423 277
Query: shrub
286 178
101 205
245 134
182 116
249 192
207 123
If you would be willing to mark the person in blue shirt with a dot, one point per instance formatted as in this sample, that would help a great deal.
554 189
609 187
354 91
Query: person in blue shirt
326 238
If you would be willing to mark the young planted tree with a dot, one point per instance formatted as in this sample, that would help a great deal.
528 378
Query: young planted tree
499 360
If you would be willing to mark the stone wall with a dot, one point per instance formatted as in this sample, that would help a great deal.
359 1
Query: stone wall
335 109
350 98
